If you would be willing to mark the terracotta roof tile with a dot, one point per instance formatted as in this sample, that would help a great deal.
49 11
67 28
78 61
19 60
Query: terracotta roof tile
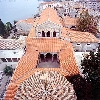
77 36
27 21
32 33
49 14
70 21
27 64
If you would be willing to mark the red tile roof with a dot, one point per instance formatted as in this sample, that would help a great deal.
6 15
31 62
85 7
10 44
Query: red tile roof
27 65
48 14
77 36
27 21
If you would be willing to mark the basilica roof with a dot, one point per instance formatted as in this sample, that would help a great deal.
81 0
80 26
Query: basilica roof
49 14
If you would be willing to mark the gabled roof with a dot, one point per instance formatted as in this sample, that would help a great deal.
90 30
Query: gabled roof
49 14
27 21
77 36
28 62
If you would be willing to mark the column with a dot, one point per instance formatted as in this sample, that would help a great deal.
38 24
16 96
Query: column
57 58
52 57
17 59
45 57
6 60
52 34
45 34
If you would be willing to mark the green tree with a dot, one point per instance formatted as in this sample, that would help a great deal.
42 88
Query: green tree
2 28
8 27
91 70
15 22
81 86
87 23
8 70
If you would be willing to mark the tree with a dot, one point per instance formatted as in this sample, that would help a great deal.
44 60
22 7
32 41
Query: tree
87 23
2 28
15 22
91 70
81 86
8 27
8 70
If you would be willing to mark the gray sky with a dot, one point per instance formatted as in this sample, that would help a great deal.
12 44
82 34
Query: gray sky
19 9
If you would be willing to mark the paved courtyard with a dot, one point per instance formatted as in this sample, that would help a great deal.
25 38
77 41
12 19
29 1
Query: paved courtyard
48 64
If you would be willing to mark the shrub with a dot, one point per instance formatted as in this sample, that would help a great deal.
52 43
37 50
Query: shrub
8 70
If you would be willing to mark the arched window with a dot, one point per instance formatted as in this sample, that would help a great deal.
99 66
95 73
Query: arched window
55 57
48 57
42 57
48 34
43 34
54 34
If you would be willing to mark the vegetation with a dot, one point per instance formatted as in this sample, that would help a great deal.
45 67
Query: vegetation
87 23
8 70
88 87
15 22
91 70
5 30
2 29
82 87
8 27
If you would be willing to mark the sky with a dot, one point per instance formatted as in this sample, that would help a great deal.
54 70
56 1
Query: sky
11 10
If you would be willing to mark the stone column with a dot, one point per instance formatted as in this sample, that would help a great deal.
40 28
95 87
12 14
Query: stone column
57 58
17 59
51 33
52 57
45 57
6 60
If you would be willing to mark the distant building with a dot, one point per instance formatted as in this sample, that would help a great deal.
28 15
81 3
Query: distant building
92 4
23 26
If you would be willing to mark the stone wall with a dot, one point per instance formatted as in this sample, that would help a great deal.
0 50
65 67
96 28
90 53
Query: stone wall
48 26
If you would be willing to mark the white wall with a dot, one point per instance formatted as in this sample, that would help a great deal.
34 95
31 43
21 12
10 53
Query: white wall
83 46
10 54
23 27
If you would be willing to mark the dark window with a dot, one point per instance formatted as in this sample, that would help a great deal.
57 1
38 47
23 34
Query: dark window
55 57
88 43
78 43
9 59
3 59
48 34
43 34
14 59
54 34
42 57
18 59
48 57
